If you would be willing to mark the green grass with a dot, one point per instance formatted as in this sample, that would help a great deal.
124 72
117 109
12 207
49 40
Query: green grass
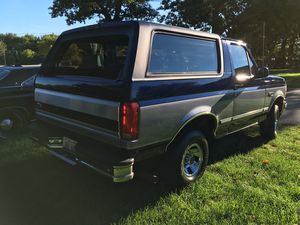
292 79
239 190
36 188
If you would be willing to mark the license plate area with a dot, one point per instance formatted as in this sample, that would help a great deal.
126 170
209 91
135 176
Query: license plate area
69 144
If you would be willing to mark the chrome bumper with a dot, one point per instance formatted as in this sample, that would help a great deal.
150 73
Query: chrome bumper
121 172
124 171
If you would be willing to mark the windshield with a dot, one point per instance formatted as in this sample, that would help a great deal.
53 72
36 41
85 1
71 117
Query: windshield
102 57
3 74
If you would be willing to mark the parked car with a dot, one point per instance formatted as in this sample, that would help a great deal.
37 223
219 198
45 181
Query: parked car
114 94
16 96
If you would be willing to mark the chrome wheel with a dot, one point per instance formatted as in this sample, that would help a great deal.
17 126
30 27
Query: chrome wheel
192 161
6 124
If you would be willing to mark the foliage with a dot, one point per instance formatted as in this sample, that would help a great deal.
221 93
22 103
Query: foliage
27 55
2 47
2 52
27 49
105 11
244 19
45 43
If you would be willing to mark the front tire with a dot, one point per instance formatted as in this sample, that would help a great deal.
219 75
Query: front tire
268 128
187 158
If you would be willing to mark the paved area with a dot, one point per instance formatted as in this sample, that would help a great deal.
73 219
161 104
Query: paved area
292 113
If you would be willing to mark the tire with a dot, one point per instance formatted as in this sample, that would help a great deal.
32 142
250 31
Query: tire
17 121
268 128
187 159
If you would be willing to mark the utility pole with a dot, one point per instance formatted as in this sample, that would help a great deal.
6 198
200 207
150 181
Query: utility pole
263 48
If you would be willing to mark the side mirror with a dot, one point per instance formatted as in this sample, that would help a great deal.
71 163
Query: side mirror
242 78
263 72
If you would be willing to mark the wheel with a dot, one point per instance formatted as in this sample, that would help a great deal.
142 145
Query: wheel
268 128
187 158
12 121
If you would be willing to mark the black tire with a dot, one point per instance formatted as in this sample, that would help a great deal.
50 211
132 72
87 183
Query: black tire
268 128
18 119
180 156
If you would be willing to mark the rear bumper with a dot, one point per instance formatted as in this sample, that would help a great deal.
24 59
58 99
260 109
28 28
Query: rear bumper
109 161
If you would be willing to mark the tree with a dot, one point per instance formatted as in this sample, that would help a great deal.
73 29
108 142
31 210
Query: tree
28 56
243 19
104 10
216 15
45 43
2 51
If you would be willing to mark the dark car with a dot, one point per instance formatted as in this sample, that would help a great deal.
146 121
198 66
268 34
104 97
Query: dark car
16 96
115 94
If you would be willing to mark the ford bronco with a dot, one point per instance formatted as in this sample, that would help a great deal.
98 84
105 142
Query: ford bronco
114 94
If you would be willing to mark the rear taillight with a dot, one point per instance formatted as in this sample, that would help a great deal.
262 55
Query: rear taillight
129 120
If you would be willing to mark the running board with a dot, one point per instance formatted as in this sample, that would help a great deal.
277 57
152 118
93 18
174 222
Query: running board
64 158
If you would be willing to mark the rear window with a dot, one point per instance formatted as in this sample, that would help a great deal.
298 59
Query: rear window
183 55
102 57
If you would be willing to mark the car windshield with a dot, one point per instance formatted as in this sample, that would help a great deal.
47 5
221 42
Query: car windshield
3 74
102 57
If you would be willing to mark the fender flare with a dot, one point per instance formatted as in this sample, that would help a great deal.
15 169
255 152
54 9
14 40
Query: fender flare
10 108
190 117
277 95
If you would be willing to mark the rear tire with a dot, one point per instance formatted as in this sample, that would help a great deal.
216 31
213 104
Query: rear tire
187 158
268 128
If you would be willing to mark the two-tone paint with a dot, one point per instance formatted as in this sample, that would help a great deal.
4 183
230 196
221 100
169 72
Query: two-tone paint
168 102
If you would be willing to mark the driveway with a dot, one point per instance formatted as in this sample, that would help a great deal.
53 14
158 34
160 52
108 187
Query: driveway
292 113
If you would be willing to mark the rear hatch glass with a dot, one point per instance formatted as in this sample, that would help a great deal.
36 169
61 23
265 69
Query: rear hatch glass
101 57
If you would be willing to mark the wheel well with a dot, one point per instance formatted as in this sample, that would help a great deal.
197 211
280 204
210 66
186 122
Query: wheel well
207 124
20 110
279 102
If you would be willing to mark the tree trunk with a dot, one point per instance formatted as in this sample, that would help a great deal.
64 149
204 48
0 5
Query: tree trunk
291 51
118 8
282 54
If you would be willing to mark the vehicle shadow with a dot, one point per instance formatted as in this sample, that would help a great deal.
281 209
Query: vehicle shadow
239 143
44 190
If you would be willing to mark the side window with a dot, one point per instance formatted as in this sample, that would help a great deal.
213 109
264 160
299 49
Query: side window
240 59
253 67
183 55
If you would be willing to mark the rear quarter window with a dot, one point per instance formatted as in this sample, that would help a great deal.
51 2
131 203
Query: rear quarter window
171 54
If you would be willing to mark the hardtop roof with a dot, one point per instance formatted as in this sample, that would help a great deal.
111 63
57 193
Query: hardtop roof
143 25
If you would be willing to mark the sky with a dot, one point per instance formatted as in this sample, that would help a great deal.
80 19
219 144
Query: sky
31 17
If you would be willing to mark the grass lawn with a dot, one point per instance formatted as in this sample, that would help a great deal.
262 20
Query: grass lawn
238 190
292 79
36 188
